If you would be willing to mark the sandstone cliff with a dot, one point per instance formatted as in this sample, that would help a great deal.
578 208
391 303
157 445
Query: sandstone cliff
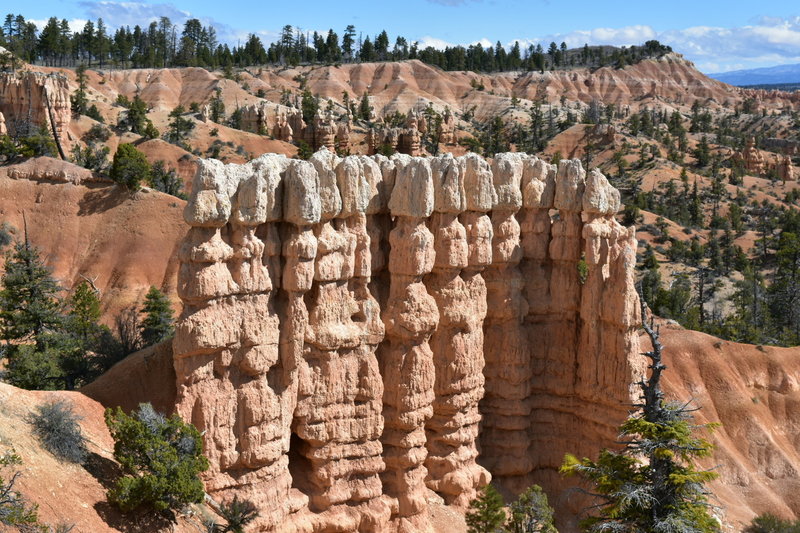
350 323
85 226
31 100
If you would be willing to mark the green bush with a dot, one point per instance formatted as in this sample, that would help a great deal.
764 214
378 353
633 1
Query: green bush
769 523
14 509
57 427
38 144
130 167
162 458
531 513
96 133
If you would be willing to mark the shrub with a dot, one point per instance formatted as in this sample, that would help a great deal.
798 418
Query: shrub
237 513
8 148
768 523
57 427
531 512
97 133
5 234
38 144
14 510
94 113
165 180
162 458
92 157
130 167
304 150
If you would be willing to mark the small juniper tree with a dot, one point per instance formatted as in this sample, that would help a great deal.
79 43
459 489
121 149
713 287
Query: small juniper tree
14 510
652 483
130 167
531 513
162 459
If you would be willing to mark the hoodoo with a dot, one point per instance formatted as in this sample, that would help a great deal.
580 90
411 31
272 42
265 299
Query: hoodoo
336 402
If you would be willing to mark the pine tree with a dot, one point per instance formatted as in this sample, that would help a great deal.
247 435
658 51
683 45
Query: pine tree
157 324
29 304
87 347
179 126
364 109
651 484
30 321
486 514
130 167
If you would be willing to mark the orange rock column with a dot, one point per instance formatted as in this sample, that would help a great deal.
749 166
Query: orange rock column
460 293
406 360
506 406
232 383
339 415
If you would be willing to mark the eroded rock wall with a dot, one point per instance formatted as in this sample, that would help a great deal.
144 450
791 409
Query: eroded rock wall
359 333
24 99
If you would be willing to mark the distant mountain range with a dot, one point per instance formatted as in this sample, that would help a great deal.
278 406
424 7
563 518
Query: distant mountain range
782 74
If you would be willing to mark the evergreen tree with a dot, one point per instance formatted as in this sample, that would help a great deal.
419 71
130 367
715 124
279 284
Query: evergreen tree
364 109
136 118
130 167
651 484
217 106
486 514
161 457
29 304
88 347
179 127
309 105
531 513
702 153
30 320
157 324
348 39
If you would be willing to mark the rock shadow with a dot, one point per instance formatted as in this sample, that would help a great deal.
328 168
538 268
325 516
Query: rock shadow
100 200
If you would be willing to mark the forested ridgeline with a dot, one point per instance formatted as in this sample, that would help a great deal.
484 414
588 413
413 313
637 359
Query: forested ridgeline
162 44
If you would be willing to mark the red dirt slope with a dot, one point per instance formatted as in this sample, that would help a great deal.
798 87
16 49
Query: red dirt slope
754 392
126 242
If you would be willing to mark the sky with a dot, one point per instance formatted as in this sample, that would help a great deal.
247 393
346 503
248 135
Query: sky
717 36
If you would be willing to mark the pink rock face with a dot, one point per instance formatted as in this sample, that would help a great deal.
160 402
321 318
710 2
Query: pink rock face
359 332
30 100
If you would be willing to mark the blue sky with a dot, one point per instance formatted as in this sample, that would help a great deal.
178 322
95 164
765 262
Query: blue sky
716 35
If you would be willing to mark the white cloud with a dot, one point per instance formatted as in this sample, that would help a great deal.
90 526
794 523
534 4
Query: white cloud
74 24
427 41
768 41
117 14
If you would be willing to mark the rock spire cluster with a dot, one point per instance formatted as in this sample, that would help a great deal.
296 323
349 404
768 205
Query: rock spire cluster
361 332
